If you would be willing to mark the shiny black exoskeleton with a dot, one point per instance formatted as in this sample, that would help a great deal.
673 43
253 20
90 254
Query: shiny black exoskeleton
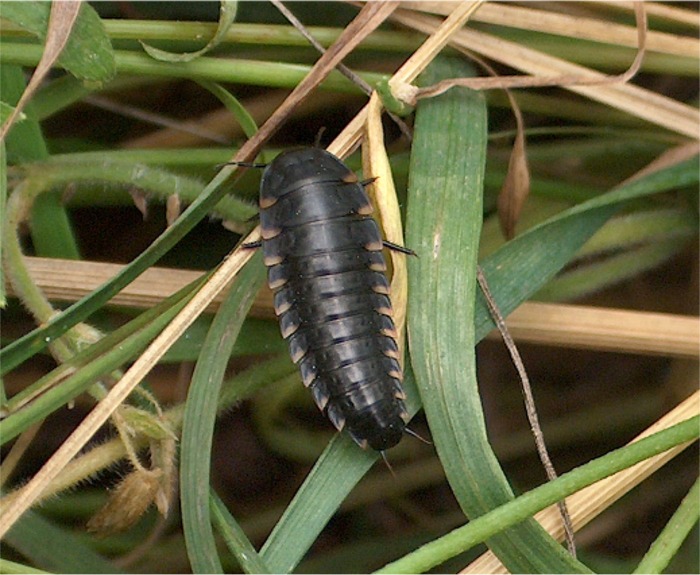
325 264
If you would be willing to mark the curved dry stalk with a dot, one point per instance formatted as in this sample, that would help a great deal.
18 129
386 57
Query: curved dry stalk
505 82
351 135
644 104
530 407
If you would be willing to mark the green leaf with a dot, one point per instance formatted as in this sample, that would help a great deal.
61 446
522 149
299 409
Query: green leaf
47 545
227 15
25 142
235 538
88 54
200 416
449 154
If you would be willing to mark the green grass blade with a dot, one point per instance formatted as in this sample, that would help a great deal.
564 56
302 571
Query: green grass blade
339 468
227 14
235 538
233 105
588 279
52 234
670 539
336 472
238 71
526 505
61 385
3 199
46 544
11 567
26 346
443 226
200 416
521 267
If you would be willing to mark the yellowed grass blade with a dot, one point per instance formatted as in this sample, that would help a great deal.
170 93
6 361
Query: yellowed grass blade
538 20
376 165
632 99
565 325
607 329
670 13
70 280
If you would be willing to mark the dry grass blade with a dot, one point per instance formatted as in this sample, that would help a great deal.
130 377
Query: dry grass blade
588 503
62 17
504 82
634 100
70 280
19 448
439 38
566 325
615 330
538 20
670 13
376 164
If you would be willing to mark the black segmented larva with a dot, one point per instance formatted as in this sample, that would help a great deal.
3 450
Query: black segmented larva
325 265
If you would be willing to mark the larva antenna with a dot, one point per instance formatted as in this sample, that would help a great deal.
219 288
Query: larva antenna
412 433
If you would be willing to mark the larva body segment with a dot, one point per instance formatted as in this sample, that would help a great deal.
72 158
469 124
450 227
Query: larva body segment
325 265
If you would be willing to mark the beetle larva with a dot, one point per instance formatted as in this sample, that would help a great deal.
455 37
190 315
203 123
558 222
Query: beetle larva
325 265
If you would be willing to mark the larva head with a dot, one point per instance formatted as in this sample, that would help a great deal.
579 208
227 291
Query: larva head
390 437
380 428
296 168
